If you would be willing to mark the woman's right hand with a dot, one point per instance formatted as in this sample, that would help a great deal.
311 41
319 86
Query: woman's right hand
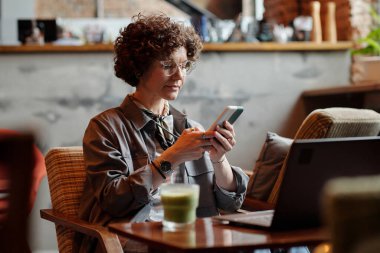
191 145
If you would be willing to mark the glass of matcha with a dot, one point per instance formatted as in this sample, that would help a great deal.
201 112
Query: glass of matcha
179 202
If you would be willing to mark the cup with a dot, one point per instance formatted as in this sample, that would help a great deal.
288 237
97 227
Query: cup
179 202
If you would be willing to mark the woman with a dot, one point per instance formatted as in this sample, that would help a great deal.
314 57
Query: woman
132 149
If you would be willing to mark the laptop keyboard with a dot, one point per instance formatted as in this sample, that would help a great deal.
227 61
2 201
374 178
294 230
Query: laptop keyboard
262 219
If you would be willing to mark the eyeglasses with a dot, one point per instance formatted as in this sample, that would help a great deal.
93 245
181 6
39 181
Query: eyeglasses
171 67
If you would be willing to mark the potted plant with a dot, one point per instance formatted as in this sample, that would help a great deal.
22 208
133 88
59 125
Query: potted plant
366 58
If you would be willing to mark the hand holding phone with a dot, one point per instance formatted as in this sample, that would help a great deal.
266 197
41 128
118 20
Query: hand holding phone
230 113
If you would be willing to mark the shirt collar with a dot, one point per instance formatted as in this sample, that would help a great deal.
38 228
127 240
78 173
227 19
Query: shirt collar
139 119
164 114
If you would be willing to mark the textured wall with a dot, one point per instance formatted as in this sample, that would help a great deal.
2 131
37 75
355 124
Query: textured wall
57 94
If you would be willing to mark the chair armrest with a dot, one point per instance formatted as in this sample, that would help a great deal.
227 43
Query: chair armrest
252 204
108 240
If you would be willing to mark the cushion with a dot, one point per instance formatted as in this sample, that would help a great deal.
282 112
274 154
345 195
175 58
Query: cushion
268 166
338 122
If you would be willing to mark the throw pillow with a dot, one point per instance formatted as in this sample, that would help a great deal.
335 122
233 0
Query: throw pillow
268 166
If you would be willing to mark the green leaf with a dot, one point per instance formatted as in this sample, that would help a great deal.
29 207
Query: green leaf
374 34
362 51
374 45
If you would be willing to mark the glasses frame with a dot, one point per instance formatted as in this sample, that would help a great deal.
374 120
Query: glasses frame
170 69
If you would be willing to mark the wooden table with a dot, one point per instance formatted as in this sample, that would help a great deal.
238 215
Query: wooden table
355 96
208 236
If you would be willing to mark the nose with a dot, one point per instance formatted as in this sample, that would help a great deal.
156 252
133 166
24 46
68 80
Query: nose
179 73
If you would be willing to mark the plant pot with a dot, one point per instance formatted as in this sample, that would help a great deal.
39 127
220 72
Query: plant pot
365 69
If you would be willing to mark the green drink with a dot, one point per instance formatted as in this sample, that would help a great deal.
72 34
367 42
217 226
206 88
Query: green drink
179 202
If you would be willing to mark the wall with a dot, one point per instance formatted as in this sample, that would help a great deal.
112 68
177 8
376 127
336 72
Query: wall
57 94
11 10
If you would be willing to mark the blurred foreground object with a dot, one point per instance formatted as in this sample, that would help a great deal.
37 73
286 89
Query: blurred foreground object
352 211
16 164
39 170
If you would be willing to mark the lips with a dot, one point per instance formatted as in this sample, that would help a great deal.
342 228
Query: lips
173 86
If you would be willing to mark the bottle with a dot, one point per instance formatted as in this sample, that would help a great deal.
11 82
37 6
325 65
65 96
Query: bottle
331 23
317 29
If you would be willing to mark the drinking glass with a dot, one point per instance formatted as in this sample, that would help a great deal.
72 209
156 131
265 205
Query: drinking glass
179 202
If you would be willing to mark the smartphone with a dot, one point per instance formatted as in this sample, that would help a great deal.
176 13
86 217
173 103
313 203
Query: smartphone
230 113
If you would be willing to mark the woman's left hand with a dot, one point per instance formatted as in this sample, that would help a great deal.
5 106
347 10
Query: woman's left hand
223 141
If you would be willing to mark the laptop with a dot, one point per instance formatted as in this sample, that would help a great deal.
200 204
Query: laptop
311 163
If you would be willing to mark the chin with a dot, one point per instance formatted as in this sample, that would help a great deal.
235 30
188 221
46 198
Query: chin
171 96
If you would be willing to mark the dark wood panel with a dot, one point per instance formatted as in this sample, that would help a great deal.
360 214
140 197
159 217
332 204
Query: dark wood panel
355 96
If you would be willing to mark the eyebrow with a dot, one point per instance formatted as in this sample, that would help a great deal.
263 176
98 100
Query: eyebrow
172 60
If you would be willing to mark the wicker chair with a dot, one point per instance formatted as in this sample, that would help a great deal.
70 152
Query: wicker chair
324 123
66 175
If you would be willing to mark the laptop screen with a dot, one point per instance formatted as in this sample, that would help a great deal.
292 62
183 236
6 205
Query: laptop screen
311 163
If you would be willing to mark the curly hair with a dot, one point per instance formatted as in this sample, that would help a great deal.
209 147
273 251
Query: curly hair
150 38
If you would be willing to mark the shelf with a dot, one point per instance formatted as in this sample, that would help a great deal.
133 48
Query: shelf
208 47
272 46
56 49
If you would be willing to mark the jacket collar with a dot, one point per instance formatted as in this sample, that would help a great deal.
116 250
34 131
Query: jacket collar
140 119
